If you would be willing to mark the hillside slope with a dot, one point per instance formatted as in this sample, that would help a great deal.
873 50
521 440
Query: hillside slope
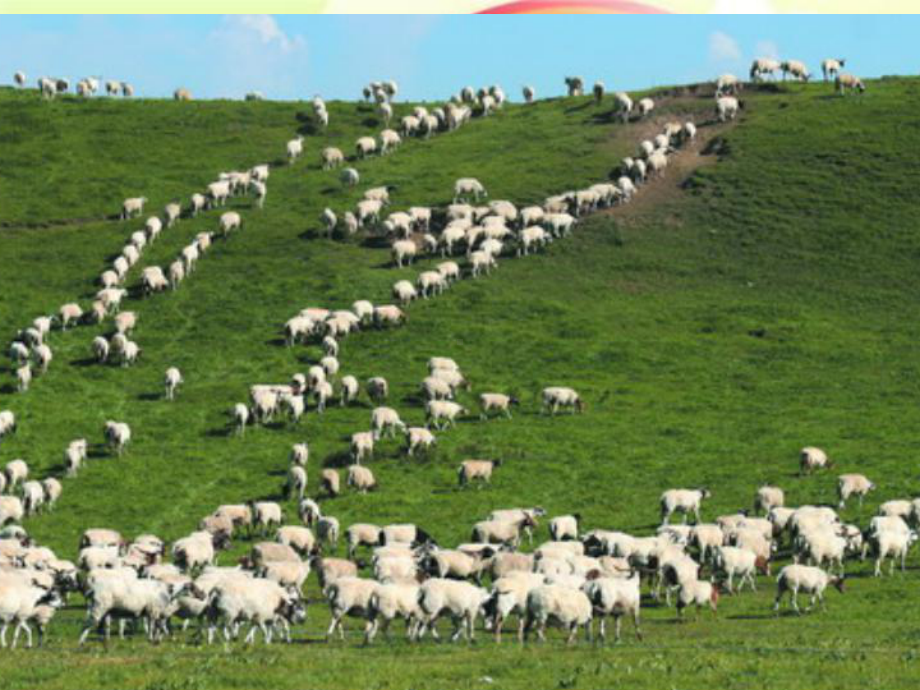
761 305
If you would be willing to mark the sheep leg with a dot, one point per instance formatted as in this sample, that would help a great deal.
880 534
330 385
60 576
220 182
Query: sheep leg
573 630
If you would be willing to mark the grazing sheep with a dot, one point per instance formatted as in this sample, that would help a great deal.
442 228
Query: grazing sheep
699 593
69 314
468 186
476 469
508 532
796 68
361 478
811 458
296 483
362 445
419 437
768 498
763 67
500 402
404 292
555 398
365 146
403 251
117 436
133 207
853 485
437 411
571 608
847 82
23 377
377 389
807 579
172 381
332 157
385 419
683 501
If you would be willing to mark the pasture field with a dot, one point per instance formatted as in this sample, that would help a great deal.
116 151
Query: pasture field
760 298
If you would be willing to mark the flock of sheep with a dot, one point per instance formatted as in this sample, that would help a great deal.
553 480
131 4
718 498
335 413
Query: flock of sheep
574 578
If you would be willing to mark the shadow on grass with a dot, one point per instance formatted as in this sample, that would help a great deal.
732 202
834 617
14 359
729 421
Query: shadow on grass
150 397
338 459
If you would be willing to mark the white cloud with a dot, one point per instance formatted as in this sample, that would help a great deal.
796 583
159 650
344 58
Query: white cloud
723 48
262 26
767 49
248 52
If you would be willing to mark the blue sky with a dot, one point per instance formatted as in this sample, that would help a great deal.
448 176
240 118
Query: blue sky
432 56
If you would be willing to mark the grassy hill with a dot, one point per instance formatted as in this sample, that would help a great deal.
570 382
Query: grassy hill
736 312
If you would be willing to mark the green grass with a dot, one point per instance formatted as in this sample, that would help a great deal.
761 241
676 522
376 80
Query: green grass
805 229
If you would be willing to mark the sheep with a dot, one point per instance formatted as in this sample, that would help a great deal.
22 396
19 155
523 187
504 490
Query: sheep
172 380
377 389
598 91
296 483
683 501
571 608
498 402
853 485
811 458
461 600
127 597
266 515
727 108
229 221
153 280
365 146
560 224
575 86
389 140
728 84
468 186
385 419
733 561
332 157
819 545
197 202
437 411
132 207
617 597
19 353
16 472
69 314
33 497
240 415
217 194
361 479
796 68
890 542
294 148
261 602
847 82
804 578
564 527
403 251
762 67
22 602
645 106
404 292
190 256
418 437
327 530
699 593
23 377
117 436
501 531
299 538
831 67
289 575
481 261
476 469
557 397
74 455
11 510
769 497
350 177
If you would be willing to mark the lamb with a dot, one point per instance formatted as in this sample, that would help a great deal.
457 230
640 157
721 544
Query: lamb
437 411
853 485
261 602
461 600
727 108
811 458
294 149
468 186
361 479
476 469
847 82
831 67
808 579
133 207
683 501
385 419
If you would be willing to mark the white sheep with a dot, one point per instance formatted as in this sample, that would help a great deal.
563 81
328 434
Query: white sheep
853 485
438 411
294 149
117 436
172 380
807 579
796 68
469 186
727 108
461 600
831 67
848 82
74 456
571 608
385 419
403 251
683 501
811 458
768 498
133 207
557 397
43 356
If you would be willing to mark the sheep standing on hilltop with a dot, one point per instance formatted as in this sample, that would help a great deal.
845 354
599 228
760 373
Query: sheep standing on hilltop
847 82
